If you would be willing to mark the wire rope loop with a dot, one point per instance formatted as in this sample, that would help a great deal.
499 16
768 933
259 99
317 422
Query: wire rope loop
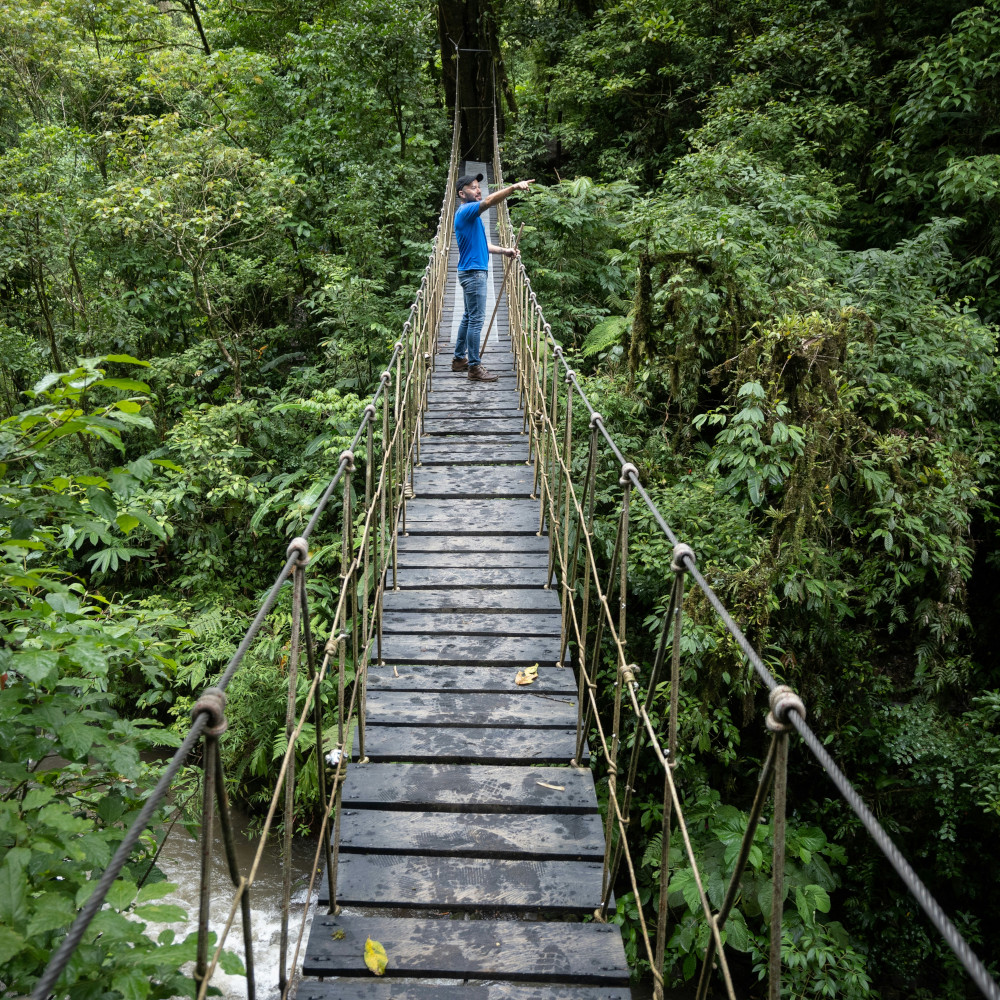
213 702
628 470
595 419
298 547
347 459
782 701
682 551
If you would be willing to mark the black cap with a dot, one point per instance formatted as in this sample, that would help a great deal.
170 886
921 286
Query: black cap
467 179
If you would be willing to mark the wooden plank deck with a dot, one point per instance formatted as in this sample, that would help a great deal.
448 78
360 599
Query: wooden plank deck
468 808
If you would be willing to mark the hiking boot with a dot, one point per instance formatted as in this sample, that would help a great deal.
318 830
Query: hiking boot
459 365
478 373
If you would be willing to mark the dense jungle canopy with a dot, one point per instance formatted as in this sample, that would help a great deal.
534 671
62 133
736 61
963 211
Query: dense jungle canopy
767 232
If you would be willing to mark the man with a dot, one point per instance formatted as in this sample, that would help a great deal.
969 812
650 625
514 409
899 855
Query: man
473 260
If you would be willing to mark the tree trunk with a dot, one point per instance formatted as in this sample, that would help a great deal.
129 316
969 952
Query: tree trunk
468 50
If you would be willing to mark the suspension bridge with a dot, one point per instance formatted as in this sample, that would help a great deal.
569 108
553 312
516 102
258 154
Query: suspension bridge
462 830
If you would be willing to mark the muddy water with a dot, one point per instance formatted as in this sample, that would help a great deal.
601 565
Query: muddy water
180 861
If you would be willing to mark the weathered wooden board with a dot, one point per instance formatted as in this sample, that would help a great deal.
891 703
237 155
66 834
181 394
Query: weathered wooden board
519 708
473 517
532 951
482 835
424 677
446 395
435 577
434 424
457 599
481 453
470 624
469 788
448 883
461 412
390 989
470 560
484 543
457 745
482 650
473 481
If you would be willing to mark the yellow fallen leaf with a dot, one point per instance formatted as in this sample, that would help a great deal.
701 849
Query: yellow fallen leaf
375 957
337 935
527 676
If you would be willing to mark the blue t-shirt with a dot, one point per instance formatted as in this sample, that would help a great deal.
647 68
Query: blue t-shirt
473 252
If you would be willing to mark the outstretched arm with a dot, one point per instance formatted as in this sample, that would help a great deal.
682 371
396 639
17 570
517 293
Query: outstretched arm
498 196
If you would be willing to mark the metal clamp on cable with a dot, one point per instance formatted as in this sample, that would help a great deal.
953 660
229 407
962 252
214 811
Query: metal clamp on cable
628 469
682 551
300 547
349 457
783 700
212 701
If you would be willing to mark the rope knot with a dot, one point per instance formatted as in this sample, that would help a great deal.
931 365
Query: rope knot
386 377
595 419
348 457
212 701
682 551
783 700
557 350
398 346
370 412
628 672
628 469
568 378
547 328
299 547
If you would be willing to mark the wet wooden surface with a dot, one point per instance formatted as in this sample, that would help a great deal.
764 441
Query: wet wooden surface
470 801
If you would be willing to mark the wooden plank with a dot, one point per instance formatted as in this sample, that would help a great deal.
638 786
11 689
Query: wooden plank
457 395
466 411
473 481
458 745
468 624
452 393
485 543
492 454
458 599
391 989
423 677
482 650
473 517
518 708
532 951
435 577
469 788
466 883
470 560
489 835
495 425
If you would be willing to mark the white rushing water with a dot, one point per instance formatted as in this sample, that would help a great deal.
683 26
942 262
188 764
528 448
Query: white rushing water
180 861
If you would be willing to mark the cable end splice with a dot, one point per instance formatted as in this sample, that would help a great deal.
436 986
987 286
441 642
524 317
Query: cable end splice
213 701
783 700
682 551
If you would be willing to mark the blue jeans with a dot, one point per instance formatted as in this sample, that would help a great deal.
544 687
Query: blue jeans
469 330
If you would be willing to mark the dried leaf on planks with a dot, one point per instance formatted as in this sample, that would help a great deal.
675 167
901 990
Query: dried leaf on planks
527 676
375 957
